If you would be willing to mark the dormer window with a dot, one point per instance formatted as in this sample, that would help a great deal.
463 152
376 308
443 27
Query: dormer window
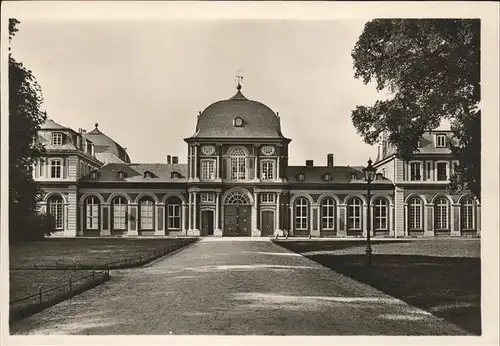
120 175
327 177
440 141
301 177
238 122
175 175
57 138
94 174
148 174
352 176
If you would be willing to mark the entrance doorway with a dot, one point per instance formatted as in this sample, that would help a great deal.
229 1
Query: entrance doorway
207 222
267 223
237 214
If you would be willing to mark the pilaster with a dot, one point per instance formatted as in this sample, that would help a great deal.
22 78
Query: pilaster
455 220
133 219
160 219
428 219
105 220
342 229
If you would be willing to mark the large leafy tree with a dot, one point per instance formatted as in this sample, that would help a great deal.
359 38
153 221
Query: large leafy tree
431 69
25 118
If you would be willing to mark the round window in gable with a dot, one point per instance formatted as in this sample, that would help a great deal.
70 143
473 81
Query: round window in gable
238 122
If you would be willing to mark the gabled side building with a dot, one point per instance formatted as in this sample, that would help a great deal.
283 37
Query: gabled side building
237 182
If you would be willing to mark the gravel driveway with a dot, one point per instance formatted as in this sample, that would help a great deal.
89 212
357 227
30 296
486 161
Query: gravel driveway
234 287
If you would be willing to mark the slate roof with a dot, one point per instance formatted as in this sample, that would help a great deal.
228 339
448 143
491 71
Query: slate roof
258 120
427 145
339 174
104 144
50 124
134 172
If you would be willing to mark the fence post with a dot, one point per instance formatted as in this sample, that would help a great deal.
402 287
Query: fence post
40 294
93 274
140 259
70 285
125 261
74 265
34 264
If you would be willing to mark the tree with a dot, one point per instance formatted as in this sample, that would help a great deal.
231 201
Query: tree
431 68
25 118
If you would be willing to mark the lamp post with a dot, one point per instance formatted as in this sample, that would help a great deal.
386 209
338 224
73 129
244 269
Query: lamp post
369 172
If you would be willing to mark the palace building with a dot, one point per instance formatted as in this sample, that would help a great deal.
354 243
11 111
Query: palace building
237 182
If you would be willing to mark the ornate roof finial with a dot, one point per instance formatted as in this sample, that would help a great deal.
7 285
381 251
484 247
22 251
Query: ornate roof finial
96 125
239 79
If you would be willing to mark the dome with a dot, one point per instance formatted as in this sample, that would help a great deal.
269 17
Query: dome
238 117
105 145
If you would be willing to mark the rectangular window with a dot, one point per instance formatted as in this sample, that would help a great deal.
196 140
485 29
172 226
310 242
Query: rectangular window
301 217
57 138
55 169
380 211
56 210
354 220
174 216
119 216
442 171
147 215
267 197
440 141
238 168
208 169
327 218
207 197
415 169
267 171
92 216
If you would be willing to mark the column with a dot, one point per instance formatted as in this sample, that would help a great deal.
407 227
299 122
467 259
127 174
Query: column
278 159
292 226
82 219
255 229
391 221
189 161
221 161
190 212
455 219
196 162
160 219
133 222
405 231
342 228
428 219
277 227
196 231
217 231
183 219
364 219
478 218
105 220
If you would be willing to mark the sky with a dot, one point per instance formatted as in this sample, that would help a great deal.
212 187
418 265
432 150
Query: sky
144 81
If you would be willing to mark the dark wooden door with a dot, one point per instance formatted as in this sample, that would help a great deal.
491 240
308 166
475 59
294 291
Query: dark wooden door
267 223
207 222
237 220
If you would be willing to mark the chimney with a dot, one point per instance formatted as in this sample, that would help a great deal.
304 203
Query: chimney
175 160
329 160
309 163
169 159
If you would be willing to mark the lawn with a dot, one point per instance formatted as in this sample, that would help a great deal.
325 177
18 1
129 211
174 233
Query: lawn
441 276
26 282
83 251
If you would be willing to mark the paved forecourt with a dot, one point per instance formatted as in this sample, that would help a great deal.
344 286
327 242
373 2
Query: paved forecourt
234 286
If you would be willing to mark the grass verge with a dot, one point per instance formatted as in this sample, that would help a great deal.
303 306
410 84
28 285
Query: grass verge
448 287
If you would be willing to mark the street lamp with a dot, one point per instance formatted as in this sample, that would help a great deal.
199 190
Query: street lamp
369 172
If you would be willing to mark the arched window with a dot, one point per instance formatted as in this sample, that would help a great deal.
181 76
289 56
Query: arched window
354 214
147 213
328 214
301 213
56 210
467 209
415 213
380 214
441 208
92 212
237 163
174 213
237 197
119 213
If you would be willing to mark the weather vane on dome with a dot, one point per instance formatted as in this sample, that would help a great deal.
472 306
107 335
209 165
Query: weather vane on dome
238 79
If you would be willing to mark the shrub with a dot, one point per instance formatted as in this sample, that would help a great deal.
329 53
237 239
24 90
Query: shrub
32 227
